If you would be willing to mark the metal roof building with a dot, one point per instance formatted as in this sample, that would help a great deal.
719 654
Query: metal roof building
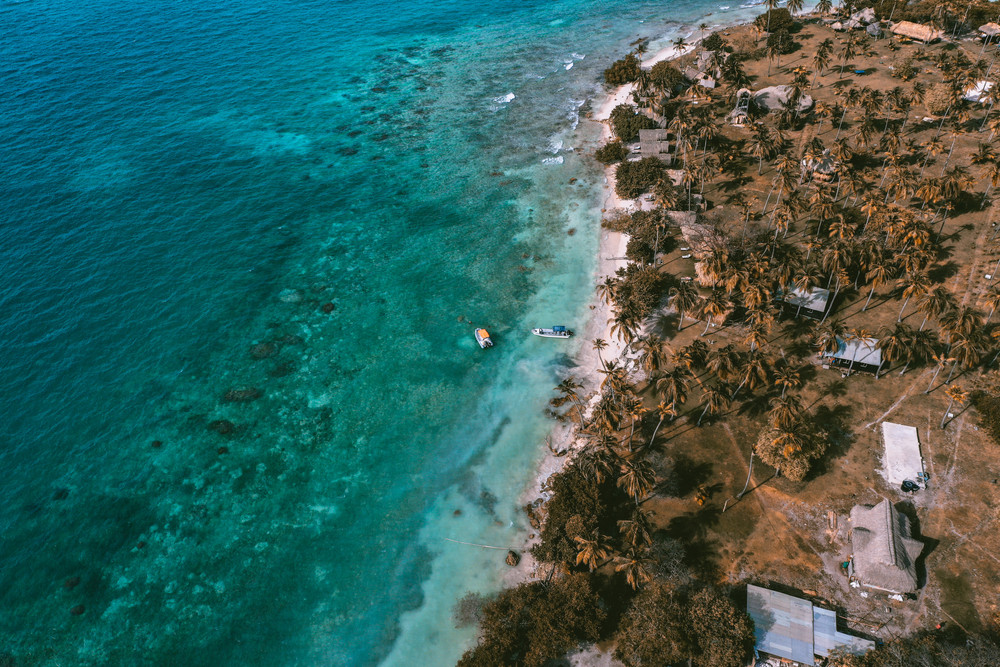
794 629
813 301
858 353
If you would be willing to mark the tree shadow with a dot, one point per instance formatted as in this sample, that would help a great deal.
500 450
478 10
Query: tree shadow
685 476
832 423
939 273
755 406
701 554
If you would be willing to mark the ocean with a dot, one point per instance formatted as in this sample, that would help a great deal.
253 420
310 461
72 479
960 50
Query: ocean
242 245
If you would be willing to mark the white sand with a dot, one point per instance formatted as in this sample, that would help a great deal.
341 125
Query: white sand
587 371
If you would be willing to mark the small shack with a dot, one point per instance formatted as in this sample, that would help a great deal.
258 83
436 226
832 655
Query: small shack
789 627
885 554
916 31
858 354
811 303
902 461
655 143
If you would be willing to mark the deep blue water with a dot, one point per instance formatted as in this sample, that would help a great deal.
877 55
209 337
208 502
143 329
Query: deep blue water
184 187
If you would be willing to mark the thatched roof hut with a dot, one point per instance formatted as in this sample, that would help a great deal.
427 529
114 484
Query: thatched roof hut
885 554
918 31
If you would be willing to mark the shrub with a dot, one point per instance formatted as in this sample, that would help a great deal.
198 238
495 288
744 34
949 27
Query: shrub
537 622
938 98
903 68
634 178
622 71
611 153
783 39
666 76
640 288
626 123
780 19
714 42
988 407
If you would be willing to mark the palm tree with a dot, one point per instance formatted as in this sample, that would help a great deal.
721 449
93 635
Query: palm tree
824 6
940 360
848 52
714 306
920 346
956 394
716 399
784 412
787 377
935 302
684 297
568 389
591 552
635 566
599 345
761 144
961 321
794 6
635 530
664 409
828 338
991 300
633 407
893 343
726 363
606 290
913 283
624 326
651 356
673 386
878 274
637 478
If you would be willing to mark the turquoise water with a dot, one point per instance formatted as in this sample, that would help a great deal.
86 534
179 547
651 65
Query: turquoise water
185 187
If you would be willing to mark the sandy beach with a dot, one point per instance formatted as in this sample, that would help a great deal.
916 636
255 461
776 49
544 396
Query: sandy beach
563 441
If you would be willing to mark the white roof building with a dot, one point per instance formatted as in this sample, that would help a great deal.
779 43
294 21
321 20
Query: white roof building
902 459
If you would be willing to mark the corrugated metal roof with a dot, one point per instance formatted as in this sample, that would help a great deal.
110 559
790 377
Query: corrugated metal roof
782 624
862 351
792 628
815 298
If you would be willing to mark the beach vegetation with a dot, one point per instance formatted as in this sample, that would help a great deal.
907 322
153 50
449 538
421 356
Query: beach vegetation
666 77
632 179
611 152
622 71
536 622
715 42
626 122
775 20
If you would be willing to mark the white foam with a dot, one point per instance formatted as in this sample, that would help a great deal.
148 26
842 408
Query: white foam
568 66
578 56
553 160
504 99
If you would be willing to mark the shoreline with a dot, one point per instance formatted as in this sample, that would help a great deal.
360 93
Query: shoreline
563 442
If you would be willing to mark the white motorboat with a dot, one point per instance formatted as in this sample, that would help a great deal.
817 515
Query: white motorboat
483 338
554 332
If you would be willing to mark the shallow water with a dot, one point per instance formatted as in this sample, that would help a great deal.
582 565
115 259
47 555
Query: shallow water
185 188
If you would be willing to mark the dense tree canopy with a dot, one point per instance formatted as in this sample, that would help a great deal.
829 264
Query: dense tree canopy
632 179
626 122
622 71
536 622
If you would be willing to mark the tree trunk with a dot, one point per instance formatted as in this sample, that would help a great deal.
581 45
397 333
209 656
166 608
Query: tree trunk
749 473
869 299
905 301
945 416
